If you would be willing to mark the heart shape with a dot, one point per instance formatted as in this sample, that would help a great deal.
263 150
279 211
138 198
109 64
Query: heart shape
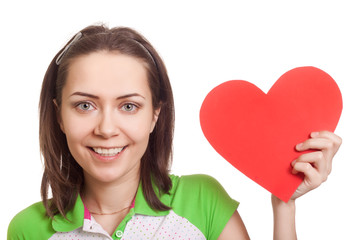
257 132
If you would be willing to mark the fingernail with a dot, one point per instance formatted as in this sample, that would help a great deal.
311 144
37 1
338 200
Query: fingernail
293 163
299 146
315 134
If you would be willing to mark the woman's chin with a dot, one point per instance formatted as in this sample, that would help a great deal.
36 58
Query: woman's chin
111 175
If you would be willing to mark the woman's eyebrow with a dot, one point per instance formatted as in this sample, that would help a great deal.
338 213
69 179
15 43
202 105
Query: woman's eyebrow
130 95
84 95
96 97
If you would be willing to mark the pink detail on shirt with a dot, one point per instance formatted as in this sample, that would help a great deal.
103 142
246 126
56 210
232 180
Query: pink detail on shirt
133 203
87 214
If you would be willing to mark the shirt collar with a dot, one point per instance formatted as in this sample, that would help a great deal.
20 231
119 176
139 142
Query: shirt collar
75 217
142 207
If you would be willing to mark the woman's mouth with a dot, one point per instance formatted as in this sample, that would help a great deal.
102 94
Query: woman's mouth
107 152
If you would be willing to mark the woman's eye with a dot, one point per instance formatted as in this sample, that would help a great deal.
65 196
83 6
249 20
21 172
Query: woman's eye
85 106
129 107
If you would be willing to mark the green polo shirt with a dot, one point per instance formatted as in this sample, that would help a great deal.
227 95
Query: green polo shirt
200 209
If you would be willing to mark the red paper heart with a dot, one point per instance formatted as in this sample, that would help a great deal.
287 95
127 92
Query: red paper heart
257 132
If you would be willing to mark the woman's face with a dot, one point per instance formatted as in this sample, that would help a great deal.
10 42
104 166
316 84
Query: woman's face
107 114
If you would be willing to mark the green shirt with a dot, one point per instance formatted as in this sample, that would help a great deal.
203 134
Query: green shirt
200 209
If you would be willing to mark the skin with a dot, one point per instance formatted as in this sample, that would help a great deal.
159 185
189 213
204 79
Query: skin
106 102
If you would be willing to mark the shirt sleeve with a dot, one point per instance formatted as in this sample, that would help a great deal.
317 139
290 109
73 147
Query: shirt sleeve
31 223
205 203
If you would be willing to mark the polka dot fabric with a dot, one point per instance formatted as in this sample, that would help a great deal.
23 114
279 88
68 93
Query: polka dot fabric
91 231
140 227
170 226
78 234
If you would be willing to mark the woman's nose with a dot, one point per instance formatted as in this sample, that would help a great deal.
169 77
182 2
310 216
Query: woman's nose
107 126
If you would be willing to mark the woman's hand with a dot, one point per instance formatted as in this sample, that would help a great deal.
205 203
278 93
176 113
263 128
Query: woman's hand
316 166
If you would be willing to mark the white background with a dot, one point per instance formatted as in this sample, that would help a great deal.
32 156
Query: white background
203 44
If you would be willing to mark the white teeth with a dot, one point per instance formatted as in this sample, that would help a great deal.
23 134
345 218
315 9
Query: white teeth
108 151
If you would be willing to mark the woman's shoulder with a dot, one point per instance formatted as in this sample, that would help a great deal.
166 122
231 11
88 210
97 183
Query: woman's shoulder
195 182
203 201
200 188
30 223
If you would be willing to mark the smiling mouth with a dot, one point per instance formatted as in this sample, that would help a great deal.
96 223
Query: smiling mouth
107 152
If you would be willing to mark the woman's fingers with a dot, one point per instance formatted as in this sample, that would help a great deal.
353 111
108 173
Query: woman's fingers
326 134
327 144
323 140
316 160
312 177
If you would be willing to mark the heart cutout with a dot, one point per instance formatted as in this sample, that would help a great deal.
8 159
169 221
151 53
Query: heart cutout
257 132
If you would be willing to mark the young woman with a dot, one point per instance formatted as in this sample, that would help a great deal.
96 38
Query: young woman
106 130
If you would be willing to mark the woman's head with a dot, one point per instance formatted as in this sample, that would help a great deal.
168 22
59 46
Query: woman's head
62 172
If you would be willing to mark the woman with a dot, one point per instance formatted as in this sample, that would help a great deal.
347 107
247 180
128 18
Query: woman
106 129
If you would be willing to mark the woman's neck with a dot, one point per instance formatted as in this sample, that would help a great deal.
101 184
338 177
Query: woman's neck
100 197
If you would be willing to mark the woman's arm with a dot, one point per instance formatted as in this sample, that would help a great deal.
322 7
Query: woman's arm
284 219
234 229
316 167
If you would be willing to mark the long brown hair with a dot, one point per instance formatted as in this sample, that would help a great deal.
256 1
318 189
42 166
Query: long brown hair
61 172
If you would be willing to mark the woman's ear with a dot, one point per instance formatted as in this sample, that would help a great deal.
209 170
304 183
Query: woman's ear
155 118
58 117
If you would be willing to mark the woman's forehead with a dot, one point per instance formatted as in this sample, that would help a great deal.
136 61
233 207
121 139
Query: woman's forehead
107 72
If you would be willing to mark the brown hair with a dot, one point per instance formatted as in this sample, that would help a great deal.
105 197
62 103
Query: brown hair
61 171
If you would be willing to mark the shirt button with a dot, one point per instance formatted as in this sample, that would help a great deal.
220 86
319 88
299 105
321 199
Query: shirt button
119 234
